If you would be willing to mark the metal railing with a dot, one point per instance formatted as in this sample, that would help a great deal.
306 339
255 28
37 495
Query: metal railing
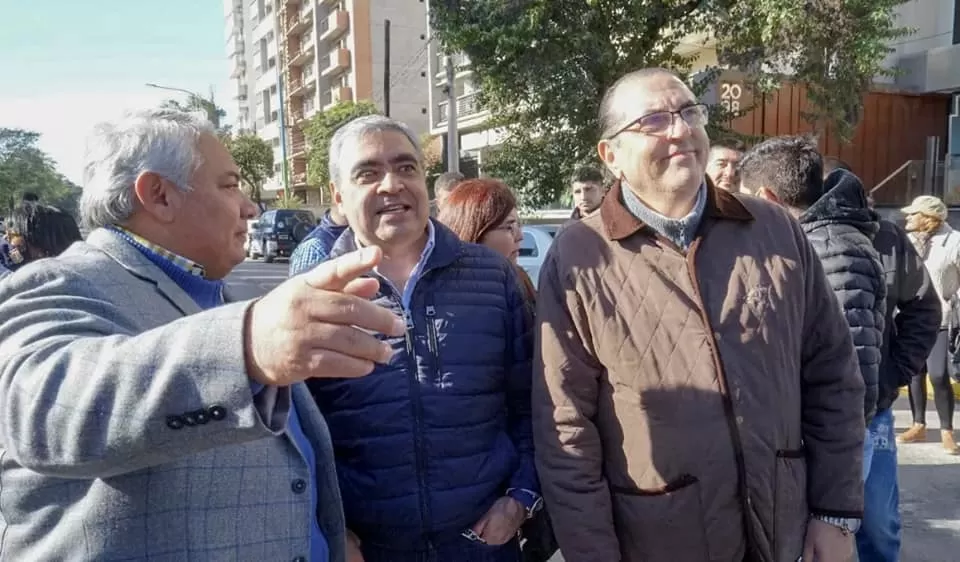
911 180
467 106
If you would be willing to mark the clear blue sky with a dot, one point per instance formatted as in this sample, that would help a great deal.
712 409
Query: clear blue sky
68 64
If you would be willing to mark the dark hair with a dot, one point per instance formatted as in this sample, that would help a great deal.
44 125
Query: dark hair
831 163
447 181
587 174
47 231
734 146
789 166
476 206
610 120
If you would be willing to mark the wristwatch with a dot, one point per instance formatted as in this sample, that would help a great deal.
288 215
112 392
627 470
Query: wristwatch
848 525
530 500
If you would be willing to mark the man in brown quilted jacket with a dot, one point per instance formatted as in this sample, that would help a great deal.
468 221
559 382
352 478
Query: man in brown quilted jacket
697 395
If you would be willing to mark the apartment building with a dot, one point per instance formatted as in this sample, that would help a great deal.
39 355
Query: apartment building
251 31
238 34
335 50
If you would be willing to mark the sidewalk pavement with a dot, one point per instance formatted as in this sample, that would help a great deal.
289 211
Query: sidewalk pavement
929 492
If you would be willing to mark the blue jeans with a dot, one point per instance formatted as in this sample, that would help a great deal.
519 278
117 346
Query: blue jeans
461 550
879 537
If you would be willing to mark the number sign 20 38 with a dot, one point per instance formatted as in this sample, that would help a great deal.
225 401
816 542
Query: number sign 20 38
730 94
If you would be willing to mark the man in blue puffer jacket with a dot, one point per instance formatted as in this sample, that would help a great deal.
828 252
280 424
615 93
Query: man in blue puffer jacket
434 449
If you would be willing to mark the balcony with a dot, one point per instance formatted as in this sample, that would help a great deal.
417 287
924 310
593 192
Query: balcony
296 23
468 107
298 148
239 69
235 45
336 95
302 56
336 24
241 93
339 61
295 87
300 179
306 12
461 63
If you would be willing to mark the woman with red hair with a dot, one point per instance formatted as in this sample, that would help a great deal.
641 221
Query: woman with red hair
484 211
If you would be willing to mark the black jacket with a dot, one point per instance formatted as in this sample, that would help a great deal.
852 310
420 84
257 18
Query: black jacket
913 312
841 228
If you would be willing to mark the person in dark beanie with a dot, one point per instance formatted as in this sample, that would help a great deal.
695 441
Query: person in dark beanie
910 330
38 231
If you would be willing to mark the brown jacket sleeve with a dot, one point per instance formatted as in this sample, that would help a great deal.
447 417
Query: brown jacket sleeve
832 399
567 443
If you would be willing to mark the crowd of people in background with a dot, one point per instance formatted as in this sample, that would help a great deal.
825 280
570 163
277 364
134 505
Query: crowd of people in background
705 372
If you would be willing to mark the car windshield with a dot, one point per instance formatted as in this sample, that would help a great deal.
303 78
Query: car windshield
528 246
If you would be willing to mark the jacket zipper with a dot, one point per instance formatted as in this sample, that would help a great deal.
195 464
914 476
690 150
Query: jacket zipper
433 343
417 407
725 395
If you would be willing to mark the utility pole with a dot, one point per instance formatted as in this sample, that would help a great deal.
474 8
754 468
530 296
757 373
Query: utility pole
453 134
386 67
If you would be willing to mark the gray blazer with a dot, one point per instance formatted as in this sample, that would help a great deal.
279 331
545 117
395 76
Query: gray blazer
128 430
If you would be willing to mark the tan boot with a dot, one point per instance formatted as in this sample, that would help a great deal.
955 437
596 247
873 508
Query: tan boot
949 444
916 434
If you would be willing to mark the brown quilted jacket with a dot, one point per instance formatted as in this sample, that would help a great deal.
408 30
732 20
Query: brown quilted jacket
693 406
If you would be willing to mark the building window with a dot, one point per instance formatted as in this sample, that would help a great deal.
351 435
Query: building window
272 62
273 89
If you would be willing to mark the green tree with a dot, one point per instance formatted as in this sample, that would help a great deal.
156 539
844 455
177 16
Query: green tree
24 167
543 65
195 103
319 130
254 157
288 201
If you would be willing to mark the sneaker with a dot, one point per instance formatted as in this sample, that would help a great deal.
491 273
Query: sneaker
916 434
949 444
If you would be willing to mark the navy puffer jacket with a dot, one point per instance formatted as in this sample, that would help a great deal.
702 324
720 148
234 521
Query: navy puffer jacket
841 228
426 444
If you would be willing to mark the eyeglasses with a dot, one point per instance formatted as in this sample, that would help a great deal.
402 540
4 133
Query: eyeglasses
660 122
512 226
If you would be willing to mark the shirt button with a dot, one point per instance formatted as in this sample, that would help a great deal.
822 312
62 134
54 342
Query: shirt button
298 486
174 422
217 412
190 419
740 420
201 417
299 559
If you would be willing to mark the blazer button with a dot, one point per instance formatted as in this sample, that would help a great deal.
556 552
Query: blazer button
217 412
174 422
190 419
298 486
201 417
299 559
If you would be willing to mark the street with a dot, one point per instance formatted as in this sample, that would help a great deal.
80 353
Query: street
929 479
252 279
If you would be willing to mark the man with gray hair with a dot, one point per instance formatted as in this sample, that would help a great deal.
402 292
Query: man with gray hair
433 449
143 416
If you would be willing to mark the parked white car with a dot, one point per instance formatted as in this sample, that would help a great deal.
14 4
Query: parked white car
533 249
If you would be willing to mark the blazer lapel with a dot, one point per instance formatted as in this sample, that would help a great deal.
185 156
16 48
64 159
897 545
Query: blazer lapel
133 260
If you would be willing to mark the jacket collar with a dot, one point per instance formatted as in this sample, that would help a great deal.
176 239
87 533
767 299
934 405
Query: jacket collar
446 250
620 223
133 260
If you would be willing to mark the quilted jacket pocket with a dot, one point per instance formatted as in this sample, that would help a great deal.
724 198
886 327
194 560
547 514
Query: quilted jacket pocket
790 513
661 525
